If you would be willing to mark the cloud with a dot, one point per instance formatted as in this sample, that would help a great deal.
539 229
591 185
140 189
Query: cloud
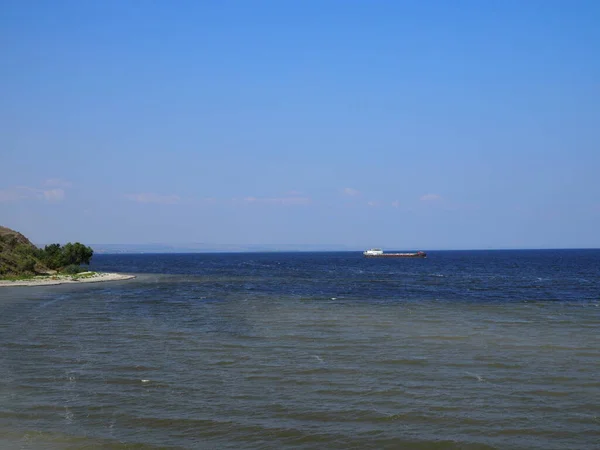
147 197
21 193
396 204
430 197
11 195
373 203
54 195
286 201
208 200
58 182
351 192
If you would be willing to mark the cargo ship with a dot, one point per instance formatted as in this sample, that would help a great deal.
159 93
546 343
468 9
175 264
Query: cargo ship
378 253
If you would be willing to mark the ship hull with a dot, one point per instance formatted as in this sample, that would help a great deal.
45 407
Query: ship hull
398 255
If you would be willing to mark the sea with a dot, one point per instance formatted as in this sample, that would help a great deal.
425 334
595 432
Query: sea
461 350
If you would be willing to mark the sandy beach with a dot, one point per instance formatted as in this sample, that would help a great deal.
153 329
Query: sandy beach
88 277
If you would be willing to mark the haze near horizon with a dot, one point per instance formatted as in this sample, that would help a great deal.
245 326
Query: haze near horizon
403 125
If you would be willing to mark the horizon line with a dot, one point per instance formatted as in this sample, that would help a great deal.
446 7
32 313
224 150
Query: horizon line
344 251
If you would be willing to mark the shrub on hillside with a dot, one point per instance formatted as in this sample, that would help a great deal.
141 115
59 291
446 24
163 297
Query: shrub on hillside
26 264
4 269
73 269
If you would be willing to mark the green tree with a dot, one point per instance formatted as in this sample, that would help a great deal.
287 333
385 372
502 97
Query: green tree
52 256
76 254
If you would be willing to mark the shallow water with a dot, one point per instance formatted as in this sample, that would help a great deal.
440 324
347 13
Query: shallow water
462 350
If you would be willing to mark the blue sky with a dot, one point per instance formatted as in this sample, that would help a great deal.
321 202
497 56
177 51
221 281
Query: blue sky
406 125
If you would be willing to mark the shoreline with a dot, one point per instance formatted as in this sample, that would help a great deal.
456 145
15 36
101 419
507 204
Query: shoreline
55 280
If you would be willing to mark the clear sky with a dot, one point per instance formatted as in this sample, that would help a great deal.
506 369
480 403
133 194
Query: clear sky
406 125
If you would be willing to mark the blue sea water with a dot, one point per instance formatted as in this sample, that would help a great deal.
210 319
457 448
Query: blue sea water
462 350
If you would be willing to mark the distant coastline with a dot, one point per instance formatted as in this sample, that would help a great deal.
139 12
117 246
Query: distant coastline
158 248
136 249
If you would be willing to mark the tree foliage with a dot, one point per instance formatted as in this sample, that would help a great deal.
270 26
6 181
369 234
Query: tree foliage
55 257
77 253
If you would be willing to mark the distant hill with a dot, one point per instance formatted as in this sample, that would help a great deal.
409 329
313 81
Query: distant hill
18 255
193 247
